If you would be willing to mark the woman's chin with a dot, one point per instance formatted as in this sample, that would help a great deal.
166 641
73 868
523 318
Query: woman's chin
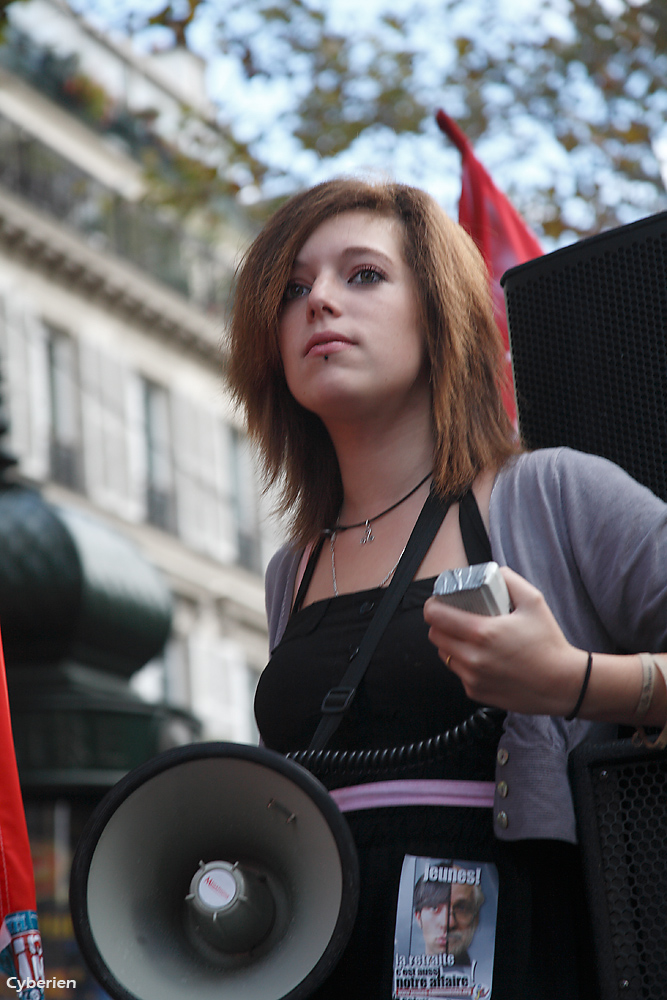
333 398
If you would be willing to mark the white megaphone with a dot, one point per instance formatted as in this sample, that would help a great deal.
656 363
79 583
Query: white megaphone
215 871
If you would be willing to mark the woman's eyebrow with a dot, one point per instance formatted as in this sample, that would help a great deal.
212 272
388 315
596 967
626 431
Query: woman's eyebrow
353 251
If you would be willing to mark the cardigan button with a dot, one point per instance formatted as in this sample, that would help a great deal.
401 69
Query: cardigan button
503 789
502 819
502 756
366 607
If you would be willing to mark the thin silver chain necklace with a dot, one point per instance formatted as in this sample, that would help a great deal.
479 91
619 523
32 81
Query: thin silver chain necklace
332 542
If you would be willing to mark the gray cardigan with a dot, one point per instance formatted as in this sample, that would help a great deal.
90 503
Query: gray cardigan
595 543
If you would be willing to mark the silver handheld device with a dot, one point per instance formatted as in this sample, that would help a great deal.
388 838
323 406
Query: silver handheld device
480 589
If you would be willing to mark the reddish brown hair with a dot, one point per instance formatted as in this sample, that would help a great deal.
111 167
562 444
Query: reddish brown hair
471 428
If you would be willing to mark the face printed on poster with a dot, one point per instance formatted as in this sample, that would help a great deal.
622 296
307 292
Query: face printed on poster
445 929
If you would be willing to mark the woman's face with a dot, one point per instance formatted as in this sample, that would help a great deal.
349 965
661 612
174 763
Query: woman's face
350 338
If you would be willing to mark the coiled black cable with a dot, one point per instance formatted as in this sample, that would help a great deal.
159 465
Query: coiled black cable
483 722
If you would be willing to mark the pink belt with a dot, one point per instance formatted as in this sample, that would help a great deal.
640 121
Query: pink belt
420 792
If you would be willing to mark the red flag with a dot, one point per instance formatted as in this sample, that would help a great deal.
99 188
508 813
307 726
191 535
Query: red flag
20 943
500 233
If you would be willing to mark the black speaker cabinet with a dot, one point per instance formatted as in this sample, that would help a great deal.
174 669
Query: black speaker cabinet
588 333
620 795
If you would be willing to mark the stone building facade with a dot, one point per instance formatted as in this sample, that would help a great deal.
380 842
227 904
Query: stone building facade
111 323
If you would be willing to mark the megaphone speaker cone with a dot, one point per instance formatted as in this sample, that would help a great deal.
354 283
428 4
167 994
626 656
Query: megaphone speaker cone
218 872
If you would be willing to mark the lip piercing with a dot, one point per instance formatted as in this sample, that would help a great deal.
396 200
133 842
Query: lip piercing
326 357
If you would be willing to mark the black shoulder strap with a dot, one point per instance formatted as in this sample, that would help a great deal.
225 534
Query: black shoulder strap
339 699
475 537
307 575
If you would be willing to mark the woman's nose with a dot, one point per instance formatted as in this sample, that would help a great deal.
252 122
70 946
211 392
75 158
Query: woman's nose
322 298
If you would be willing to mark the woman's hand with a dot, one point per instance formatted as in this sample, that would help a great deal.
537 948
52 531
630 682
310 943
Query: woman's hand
521 662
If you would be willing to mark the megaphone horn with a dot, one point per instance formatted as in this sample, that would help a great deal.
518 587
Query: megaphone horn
215 871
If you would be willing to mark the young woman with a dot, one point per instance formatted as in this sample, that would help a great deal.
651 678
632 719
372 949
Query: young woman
364 352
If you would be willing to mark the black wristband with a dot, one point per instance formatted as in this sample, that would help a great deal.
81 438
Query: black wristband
582 694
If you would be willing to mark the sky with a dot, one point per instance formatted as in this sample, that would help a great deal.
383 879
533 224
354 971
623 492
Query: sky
262 110
258 110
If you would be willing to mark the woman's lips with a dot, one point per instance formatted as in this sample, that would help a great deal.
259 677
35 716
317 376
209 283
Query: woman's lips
326 343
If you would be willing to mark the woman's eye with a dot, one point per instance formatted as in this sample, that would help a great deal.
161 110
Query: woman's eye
294 291
367 276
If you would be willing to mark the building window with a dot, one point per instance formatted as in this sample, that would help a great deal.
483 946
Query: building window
65 451
160 497
245 497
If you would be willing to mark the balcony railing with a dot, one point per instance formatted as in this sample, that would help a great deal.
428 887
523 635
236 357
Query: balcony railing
162 249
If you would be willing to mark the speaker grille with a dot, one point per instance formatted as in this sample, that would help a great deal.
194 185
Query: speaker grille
622 809
588 332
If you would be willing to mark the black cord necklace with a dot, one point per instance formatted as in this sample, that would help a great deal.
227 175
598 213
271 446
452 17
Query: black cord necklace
369 536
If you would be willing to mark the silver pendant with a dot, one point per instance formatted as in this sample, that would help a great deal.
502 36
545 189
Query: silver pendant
369 536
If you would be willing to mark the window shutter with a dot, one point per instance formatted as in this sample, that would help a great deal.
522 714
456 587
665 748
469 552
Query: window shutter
137 458
246 506
26 385
202 489
221 690
106 431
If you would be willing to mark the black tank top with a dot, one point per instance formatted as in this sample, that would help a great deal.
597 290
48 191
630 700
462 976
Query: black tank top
407 693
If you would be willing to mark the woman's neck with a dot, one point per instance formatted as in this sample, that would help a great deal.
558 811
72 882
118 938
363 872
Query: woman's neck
380 465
